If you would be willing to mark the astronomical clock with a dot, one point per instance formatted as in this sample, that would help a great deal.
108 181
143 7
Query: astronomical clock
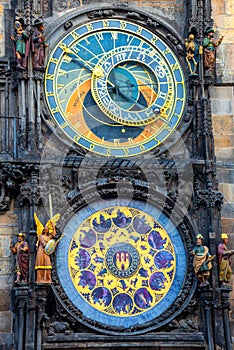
117 134
116 87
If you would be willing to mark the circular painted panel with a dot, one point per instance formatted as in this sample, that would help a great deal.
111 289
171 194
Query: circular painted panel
121 264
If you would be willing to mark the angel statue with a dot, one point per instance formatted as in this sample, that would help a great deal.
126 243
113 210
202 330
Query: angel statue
45 246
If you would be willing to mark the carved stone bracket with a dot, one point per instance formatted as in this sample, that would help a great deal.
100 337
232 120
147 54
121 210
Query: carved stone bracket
209 198
11 176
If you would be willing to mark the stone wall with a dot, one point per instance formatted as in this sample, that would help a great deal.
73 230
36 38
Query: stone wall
8 228
223 119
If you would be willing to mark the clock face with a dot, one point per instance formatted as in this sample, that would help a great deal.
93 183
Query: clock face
115 88
121 265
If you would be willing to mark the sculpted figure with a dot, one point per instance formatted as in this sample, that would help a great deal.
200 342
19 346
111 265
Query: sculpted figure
21 250
21 40
225 271
45 238
192 54
38 46
210 48
202 261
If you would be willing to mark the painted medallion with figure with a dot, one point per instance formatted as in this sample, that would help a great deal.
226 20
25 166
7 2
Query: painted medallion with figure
115 88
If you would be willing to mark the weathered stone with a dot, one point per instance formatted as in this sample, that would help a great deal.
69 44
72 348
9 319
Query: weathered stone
225 189
4 299
222 108
5 321
5 242
6 282
5 266
229 7
218 92
6 341
225 175
223 141
227 225
222 124
219 7
225 153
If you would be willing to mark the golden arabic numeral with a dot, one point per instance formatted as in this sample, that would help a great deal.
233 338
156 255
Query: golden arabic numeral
63 46
142 147
123 25
139 30
54 60
55 110
89 27
175 66
50 93
126 151
50 76
76 138
75 35
91 146
105 23
108 151
165 52
154 40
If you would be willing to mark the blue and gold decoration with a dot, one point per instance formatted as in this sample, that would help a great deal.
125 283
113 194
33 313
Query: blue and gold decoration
121 265
115 88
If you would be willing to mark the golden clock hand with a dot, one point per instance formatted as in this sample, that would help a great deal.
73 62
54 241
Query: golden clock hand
156 111
83 63
132 85
129 98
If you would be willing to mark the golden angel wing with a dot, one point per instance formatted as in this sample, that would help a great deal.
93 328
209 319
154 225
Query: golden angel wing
39 225
52 221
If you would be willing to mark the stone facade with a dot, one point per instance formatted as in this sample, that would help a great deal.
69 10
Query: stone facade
223 118
222 97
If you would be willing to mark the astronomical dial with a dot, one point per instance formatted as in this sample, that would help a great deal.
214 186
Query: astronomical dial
115 88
